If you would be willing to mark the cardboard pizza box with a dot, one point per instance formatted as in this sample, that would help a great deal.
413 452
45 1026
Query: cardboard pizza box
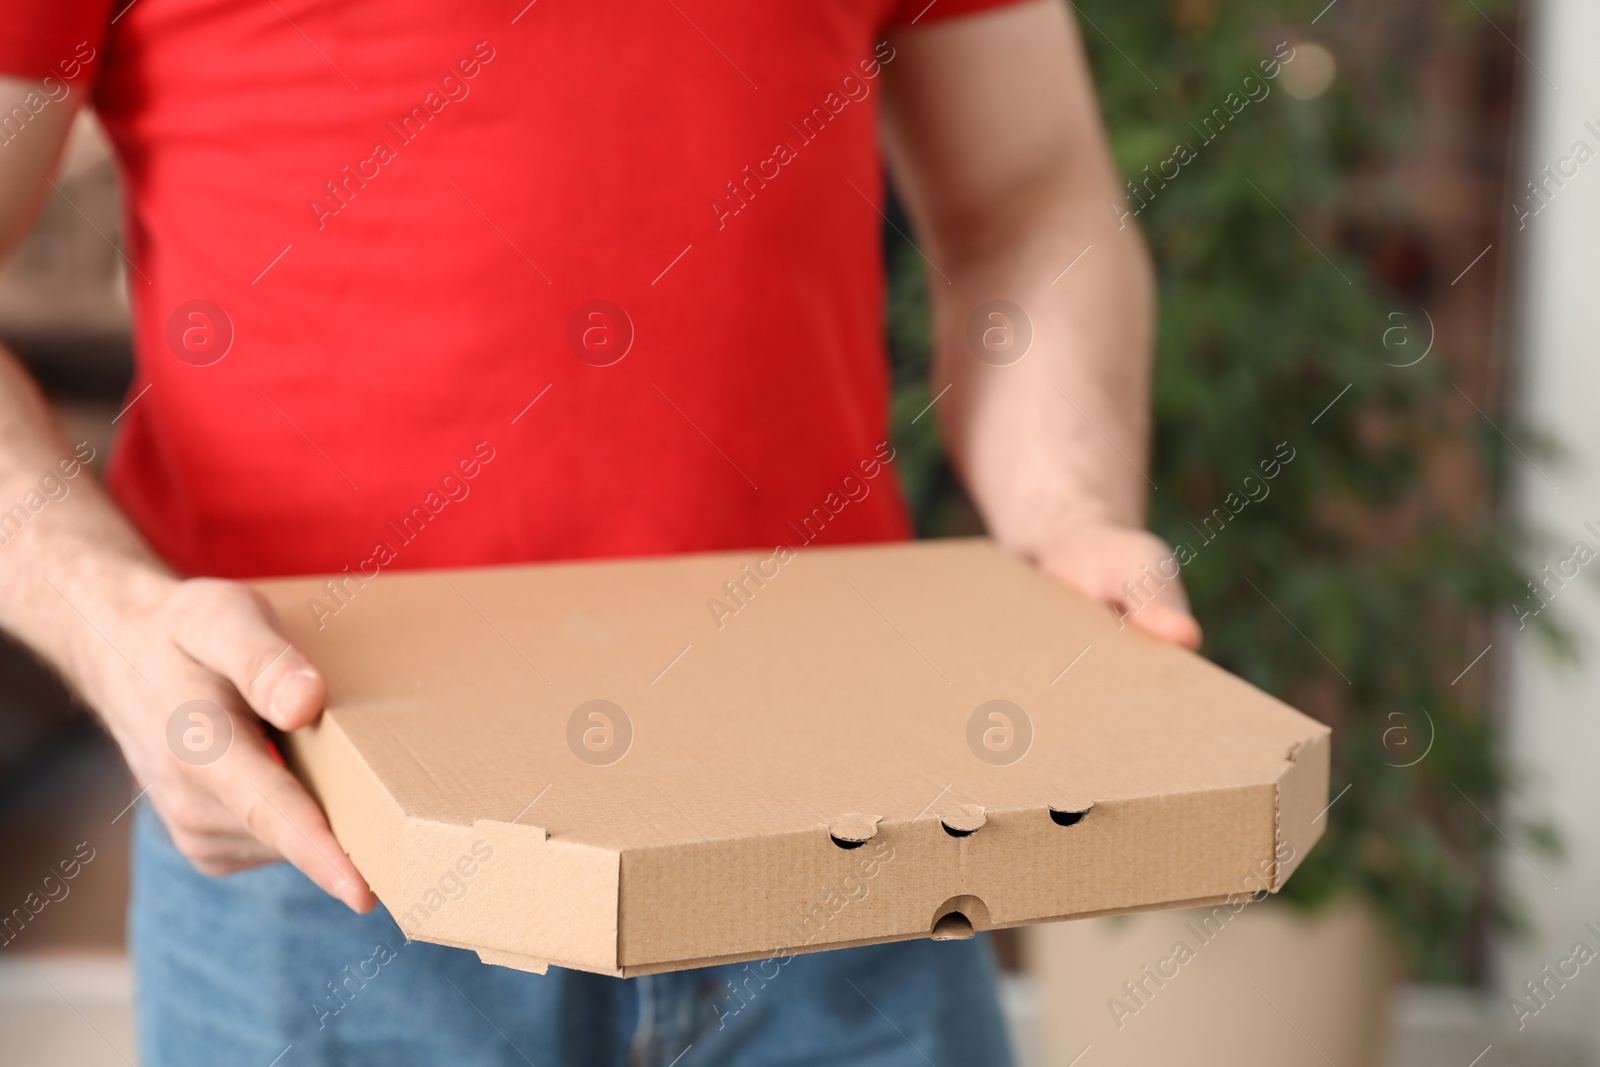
641 766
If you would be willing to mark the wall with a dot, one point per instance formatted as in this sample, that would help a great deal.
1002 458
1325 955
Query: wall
1556 709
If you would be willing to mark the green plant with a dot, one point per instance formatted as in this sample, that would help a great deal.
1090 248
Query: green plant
1352 590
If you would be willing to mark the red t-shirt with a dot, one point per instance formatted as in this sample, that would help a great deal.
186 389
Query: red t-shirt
418 284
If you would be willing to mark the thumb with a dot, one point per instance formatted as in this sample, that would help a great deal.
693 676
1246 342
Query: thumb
233 631
1168 623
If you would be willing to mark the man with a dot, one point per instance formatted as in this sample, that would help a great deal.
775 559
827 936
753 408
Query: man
622 262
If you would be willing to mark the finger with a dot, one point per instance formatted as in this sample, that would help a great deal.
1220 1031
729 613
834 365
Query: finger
233 631
208 832
1168 623
277 809
224 852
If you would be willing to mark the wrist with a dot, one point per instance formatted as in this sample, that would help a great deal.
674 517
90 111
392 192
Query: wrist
109 603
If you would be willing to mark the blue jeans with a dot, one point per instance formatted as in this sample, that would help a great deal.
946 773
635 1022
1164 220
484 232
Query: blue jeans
261 968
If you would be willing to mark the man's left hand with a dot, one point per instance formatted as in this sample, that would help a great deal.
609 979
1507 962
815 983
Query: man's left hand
1126 569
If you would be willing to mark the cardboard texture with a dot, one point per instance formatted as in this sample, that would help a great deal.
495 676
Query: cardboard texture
640 766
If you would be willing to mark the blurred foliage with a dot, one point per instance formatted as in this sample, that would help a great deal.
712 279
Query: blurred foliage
1259 331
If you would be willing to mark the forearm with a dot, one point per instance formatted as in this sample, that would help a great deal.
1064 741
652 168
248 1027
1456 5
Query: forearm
1057 439
993 133
69 559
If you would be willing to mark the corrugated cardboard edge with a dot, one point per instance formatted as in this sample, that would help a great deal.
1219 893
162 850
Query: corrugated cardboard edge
784 954
382 838
1302 803
1301 793
576 916
353 797
376 831
515 960
500 958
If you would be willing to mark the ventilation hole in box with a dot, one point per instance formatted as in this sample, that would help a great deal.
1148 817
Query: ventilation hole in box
959 918
963 820
852 829
1067 818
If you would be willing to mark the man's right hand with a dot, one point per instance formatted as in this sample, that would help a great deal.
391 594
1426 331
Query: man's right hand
82 588
233 807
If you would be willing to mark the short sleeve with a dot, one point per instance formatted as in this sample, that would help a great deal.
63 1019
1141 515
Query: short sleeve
57 39
922 12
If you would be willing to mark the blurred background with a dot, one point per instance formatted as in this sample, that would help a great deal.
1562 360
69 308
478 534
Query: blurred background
1375 226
